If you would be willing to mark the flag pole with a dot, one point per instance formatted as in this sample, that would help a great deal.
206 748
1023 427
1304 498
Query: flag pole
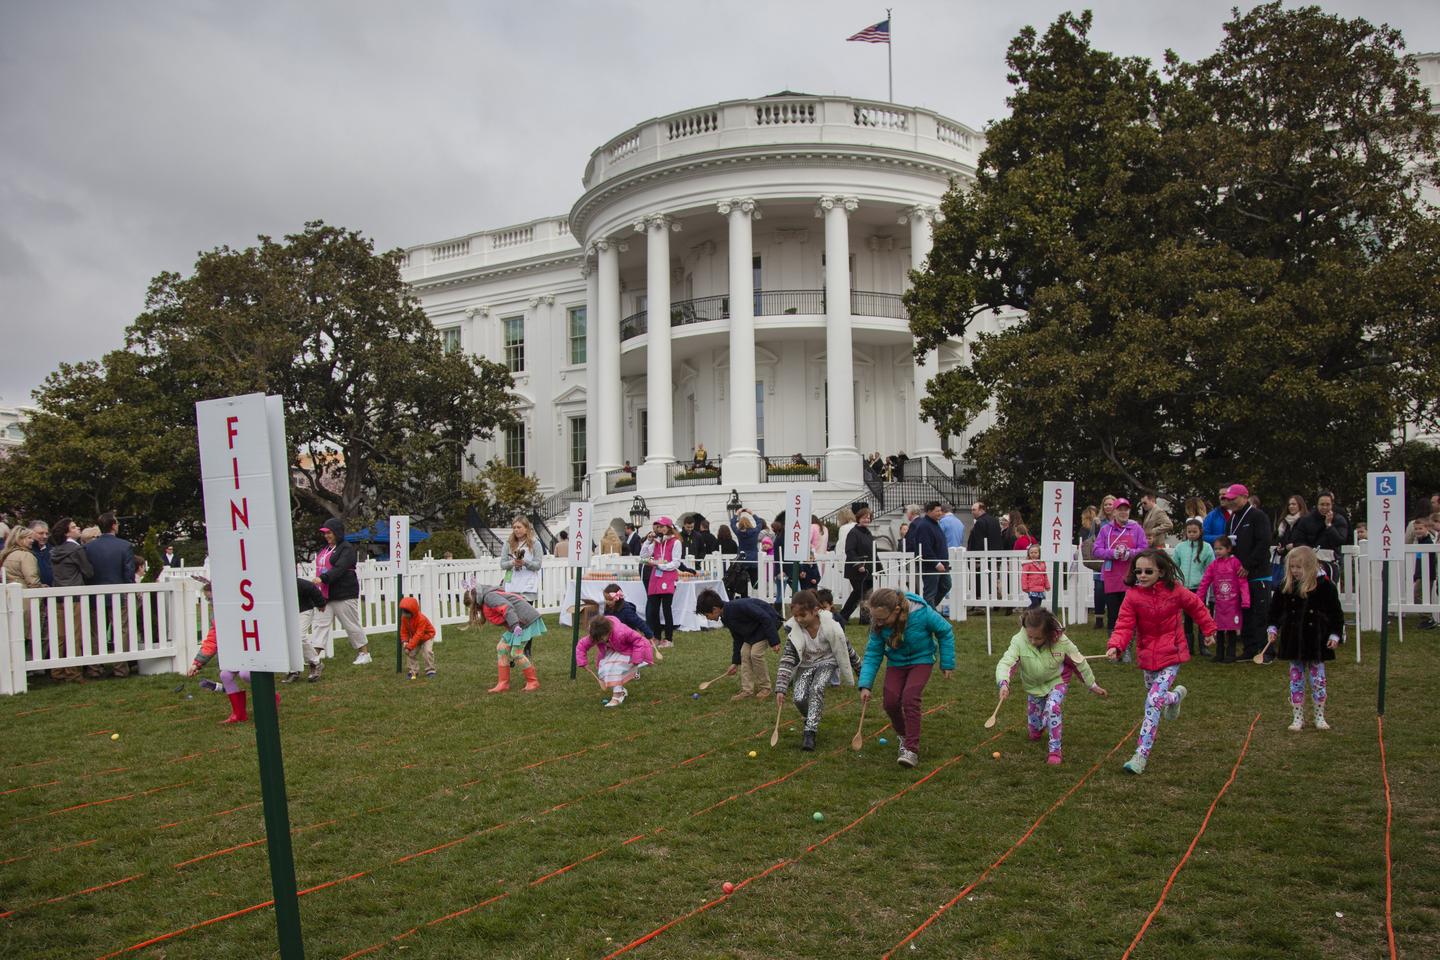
890 53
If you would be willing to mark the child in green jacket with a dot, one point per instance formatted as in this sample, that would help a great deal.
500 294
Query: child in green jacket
1192 555
1046 659
906 632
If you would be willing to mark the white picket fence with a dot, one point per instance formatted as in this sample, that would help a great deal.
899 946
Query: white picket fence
161 624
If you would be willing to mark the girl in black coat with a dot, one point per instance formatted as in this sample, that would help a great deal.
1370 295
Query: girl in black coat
1306 623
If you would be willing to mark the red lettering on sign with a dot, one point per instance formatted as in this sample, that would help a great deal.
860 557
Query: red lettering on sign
250 630
232 430
249 603
241 512
243 565
235 469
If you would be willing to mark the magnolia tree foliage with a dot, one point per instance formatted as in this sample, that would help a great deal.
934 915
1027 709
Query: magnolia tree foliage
1222 269
382 413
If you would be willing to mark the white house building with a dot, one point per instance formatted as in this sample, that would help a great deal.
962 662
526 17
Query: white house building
729 278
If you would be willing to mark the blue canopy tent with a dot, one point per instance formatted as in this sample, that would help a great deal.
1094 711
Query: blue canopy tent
380 533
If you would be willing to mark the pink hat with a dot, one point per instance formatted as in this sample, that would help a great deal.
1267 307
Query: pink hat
1237 491
1120 502
665 520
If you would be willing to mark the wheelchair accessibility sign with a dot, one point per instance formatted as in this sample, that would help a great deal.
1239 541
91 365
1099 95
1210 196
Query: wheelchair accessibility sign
1386 485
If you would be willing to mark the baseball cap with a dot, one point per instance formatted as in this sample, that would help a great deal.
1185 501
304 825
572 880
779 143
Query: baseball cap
1120 502
1237 491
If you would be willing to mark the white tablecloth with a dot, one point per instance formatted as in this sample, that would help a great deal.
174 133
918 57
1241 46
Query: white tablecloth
686 619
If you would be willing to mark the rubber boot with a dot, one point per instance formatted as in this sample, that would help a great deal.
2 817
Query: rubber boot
237 708
532 683
504 683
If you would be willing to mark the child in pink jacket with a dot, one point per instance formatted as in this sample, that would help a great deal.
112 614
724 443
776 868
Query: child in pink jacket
1153 610
1231 586
1034 581
621 652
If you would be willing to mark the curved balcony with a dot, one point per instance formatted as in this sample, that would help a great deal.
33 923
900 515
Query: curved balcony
785 118
769 303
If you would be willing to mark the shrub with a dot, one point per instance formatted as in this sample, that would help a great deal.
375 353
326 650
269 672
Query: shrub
440 541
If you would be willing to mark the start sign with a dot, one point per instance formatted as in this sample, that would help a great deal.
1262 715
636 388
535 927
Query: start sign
1057 530
1385 495
797 524
246 486
400 544
580 531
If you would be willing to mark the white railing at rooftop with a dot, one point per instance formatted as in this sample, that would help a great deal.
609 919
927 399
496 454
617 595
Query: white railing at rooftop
772 122
705 121
511 238
450 251
784 111
871 116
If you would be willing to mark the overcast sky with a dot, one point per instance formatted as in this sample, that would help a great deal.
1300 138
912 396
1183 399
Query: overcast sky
133 135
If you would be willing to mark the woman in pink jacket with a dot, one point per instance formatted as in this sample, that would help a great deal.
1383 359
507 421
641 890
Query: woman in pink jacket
1154 611
621 651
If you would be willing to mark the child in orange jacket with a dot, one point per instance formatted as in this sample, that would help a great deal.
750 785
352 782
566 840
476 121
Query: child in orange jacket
418 635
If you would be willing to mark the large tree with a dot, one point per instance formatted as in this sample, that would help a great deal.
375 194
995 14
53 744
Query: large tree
1221 270
378 415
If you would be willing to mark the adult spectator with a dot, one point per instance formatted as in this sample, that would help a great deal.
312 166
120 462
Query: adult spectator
747 537
1217 521
335 576
904 525
953 528
1115 545
112 561
1249 532
844 523
522 569
41 548
859 547
633 541
18 559
984 531
170 557
725 542
687 534
1155 521
562 544
1090 522
926 541
1008 533
71 569
704 542
610 541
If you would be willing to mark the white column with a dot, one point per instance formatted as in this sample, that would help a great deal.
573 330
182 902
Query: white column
842 459
592 361
741 463
927 438
606 368
659 390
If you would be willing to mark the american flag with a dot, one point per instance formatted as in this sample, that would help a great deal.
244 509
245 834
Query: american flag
875 33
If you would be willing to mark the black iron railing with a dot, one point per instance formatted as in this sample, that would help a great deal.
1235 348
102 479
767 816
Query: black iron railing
868 303
621 479
775 303
687 474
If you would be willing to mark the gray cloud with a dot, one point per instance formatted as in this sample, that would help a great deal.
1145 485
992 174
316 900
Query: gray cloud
134 135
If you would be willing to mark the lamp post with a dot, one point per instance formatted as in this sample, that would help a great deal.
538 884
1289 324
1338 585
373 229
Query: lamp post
639 512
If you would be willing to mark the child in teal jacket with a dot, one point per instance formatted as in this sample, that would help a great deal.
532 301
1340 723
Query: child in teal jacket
1045 660
1192 556
905 631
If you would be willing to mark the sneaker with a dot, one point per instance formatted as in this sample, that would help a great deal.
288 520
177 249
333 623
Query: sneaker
1135 764
363 658
1053 759
1297 724
907 758
665 644
1172 710
742 695
316 668
763 694
414 676
291 677
807 740
210 685
429 674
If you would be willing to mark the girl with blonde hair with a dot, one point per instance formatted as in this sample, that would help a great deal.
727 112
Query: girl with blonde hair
522 571
1306 624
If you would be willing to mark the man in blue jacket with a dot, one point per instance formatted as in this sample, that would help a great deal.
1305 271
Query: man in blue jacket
113 561
753 624
926 540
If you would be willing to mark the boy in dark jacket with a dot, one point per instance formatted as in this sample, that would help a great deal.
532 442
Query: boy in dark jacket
753 624
623 610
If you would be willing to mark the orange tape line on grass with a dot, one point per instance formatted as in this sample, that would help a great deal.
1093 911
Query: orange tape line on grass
224 916
1389 896
33 853
1165 891
646 938
30 786
67 896
1013 847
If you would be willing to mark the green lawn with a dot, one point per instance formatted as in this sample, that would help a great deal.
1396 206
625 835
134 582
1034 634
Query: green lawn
657 804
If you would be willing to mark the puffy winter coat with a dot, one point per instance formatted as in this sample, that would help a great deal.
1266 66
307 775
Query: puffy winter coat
1157 614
